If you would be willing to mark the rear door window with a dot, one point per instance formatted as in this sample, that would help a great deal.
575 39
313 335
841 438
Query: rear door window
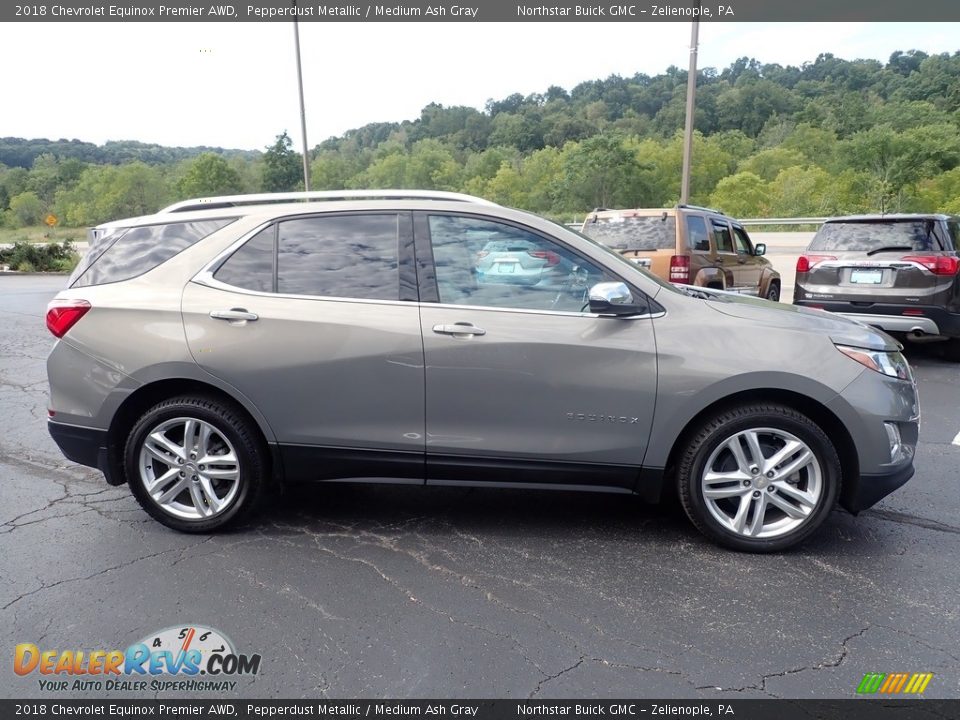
125 254
721 235
343 256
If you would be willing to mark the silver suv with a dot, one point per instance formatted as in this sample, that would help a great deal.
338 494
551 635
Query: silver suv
224 346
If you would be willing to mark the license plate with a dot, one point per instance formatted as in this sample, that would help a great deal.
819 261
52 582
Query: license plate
506 267
866 277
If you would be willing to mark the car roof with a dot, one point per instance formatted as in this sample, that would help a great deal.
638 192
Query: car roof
294 203
894 217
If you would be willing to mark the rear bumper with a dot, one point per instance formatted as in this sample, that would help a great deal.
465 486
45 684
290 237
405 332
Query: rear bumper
889 317
866 491
83 445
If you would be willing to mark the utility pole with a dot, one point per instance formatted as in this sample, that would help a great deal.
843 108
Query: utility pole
691 102
303 113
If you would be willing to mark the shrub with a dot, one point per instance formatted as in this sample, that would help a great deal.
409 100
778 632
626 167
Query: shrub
30 257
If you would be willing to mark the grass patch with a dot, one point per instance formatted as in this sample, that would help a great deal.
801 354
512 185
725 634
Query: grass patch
42 234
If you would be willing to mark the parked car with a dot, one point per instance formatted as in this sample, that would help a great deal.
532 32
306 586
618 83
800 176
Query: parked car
688 245
900 273
223 348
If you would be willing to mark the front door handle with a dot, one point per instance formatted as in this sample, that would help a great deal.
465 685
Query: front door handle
233 315
459 330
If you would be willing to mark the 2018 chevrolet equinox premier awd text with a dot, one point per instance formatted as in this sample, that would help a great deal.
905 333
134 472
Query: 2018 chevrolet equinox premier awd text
226 344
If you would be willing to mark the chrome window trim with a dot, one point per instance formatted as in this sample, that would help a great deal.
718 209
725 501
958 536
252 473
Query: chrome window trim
530 311
207 280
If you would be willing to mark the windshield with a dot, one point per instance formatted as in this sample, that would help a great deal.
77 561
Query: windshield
918 235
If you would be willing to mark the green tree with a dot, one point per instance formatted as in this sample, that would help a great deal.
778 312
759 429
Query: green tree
799 192
108 192
768 163
282 167
26 209
209 174
742 195
599 172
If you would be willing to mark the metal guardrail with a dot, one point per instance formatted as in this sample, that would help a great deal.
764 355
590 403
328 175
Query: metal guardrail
754 221
783 221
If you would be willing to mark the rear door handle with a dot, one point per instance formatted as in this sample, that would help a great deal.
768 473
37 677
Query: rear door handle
233 315
459 330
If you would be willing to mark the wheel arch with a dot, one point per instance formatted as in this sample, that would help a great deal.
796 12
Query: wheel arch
813 409
710 277
146 396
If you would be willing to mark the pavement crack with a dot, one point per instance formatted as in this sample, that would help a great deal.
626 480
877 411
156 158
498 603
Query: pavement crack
831 663
83 578
916 521
549 678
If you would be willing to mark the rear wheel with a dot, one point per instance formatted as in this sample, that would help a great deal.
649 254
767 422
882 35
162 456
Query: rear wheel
195 464
759 478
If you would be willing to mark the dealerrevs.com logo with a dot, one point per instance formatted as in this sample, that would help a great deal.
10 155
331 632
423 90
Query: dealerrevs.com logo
173 659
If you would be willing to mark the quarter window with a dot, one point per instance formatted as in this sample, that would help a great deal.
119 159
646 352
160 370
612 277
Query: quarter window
697 237
484 263
126 254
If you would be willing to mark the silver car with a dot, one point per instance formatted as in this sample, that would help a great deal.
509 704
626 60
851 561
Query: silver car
224 347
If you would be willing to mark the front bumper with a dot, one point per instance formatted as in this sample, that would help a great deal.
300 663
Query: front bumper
83 445
865 491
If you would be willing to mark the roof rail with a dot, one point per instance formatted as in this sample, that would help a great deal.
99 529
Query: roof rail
700 207
224 201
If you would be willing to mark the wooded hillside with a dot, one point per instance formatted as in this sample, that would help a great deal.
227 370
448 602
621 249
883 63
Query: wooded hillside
831 137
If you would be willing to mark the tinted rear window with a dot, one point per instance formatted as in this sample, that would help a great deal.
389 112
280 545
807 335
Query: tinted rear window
912 235
635 233
128 253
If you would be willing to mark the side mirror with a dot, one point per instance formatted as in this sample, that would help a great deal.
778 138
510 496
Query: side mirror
613 298
760 249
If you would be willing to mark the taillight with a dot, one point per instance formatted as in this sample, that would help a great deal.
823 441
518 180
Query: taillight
680 269
551 257
63 315
805 262
937 264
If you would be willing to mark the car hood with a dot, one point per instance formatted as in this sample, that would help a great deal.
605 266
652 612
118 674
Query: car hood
839 329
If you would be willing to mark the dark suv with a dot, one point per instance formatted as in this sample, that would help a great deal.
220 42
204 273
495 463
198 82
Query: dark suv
895 272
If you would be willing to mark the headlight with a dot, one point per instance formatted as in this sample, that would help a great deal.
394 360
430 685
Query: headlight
893 364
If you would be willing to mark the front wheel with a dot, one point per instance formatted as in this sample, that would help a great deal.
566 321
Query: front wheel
194 463
759 478
773 292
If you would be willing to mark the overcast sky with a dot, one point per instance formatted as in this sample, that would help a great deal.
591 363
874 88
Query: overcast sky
234 84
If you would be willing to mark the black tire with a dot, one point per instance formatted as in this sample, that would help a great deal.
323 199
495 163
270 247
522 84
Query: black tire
229 427
823 475
773 292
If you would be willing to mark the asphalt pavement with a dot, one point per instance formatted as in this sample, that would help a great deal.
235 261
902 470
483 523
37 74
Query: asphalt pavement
409 592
